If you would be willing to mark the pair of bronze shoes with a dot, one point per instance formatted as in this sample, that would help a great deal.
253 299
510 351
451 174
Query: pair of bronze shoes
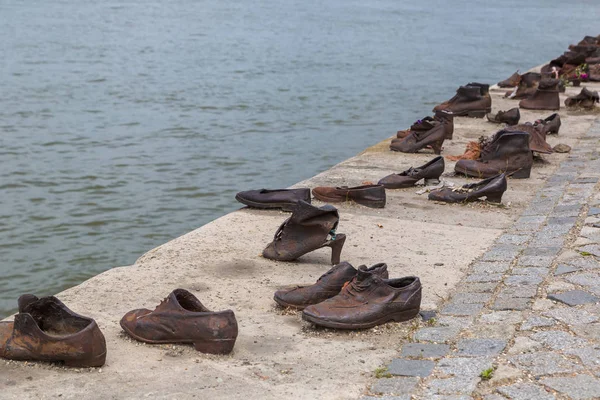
347 298
585 99
426 133
490 189
45 329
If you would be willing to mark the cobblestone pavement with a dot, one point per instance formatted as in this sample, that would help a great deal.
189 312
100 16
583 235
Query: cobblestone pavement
527 313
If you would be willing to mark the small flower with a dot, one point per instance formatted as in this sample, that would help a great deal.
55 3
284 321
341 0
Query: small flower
584 75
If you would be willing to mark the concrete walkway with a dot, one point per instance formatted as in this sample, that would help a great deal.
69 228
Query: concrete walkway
465 255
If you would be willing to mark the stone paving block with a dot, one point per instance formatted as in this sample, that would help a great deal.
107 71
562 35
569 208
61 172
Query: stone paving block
537 271
564 269
523 280
517 240
542 251
506 317
450 397
537 321
525 391
456 322
569 221
584 279
469 367
501 252
451 386
426 315
594 211
510 303
576 387
591 249
582 262
574 297
493 397
462 309
424 350
588 331
500 331
403 397
566 211
590 356
559 340
525 291
471 298
480 287
571 316
491 267
484 278
543 239
536 261
401 367
395 386
544 363
523 344
437 334
480 347
589 179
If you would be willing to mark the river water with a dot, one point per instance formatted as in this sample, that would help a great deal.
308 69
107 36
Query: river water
126 124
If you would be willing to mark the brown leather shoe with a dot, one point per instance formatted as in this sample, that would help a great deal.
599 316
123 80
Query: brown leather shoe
511 81
286 199
585 99
367 195
181 318
308 229
429 171
544 98
526 87
427 123
510 117
537 137
472 100
327 286
492 189
416 141
46 330
549 125
366 301
507 152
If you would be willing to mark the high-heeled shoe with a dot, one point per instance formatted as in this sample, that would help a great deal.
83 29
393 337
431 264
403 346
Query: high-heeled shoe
418 140
308 229
430 172
492 189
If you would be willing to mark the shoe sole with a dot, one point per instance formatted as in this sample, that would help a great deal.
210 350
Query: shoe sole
215 346
517 174
396 317
288 305
283 206
372 204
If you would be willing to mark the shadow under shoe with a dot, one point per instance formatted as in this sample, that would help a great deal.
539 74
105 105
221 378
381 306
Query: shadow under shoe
46 330
309 228
327 286
416 141
507 152
492 189
367 195
367 301
429 171
545 97
182 318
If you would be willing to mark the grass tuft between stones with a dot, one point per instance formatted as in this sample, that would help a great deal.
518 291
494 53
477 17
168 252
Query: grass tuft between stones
382 372
487 374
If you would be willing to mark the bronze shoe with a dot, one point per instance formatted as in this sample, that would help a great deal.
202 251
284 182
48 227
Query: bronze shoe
492 189
585 99
46 330
429 171
427 123
181 318
472 100
507 152
366 301
416 141
511 81
286 199
549 125
545 97
308 229
424 124
367 195
510 117
537 137
327 286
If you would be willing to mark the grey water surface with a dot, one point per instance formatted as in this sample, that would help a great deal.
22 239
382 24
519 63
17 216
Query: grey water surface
124 124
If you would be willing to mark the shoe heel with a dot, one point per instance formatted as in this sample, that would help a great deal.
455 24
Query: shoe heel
437 147
96 361
494 197
217 346
521 174
405 315
336 248
476 113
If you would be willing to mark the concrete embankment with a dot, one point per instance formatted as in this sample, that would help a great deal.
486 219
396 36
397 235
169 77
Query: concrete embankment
277 355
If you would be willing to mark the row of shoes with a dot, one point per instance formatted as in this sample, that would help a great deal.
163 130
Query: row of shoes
45 329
